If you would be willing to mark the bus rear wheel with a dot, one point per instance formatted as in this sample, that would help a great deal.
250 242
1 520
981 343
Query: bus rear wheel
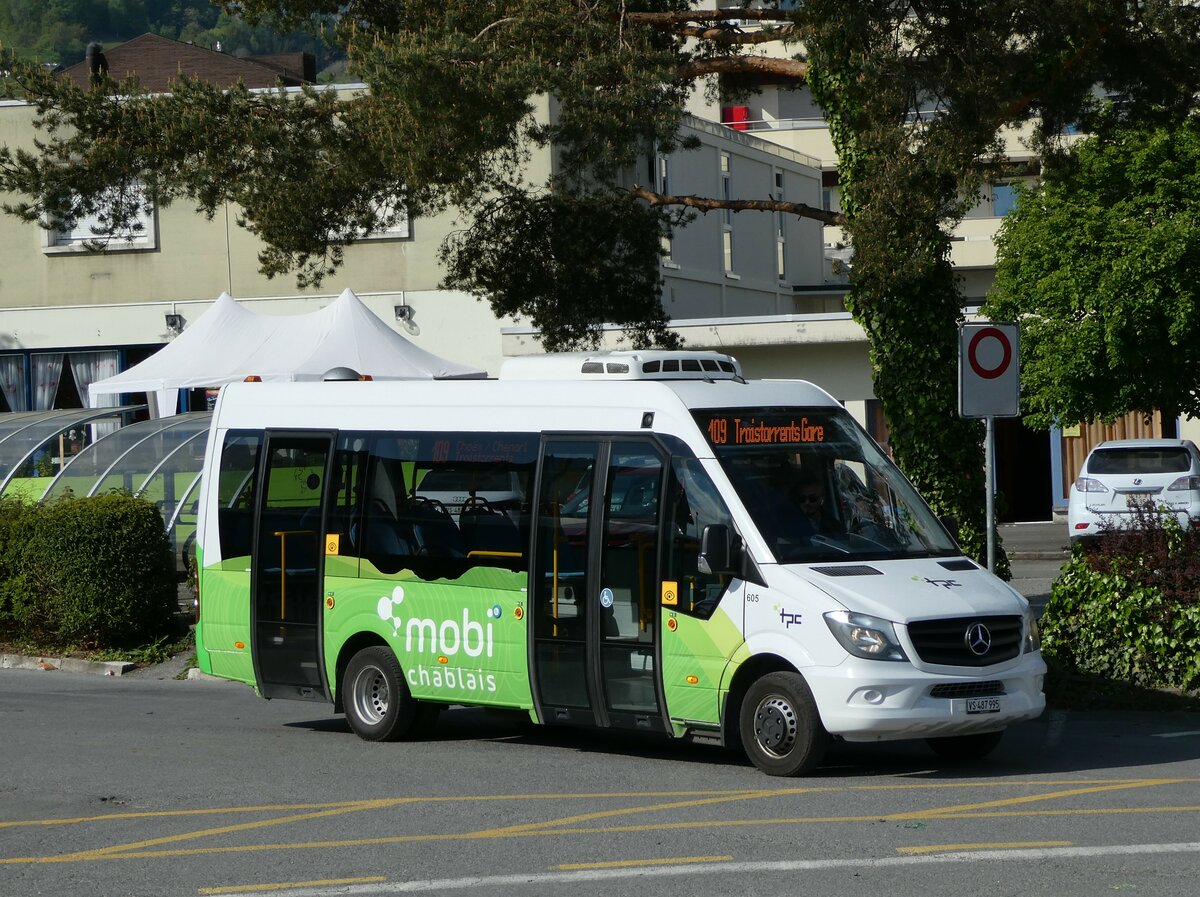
781 729
377 702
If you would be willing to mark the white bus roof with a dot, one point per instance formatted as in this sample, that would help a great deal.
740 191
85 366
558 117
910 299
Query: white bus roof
651 364
580 405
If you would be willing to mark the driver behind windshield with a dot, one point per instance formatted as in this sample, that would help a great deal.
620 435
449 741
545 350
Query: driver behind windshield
791 499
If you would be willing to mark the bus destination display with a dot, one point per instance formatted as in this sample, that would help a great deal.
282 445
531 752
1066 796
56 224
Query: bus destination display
774 429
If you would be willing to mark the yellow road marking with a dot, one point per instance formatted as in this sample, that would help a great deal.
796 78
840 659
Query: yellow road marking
632 864
164 814
1032 798
623 811
229 829
463 798
456 798
599 830
999 845
567 825
284 885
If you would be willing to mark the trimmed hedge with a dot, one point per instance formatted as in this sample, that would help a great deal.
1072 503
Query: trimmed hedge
1127 607
89 572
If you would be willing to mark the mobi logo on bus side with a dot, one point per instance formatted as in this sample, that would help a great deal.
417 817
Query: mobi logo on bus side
447 637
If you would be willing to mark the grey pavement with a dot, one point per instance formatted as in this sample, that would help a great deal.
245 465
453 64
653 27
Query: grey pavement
1036 553
1035 541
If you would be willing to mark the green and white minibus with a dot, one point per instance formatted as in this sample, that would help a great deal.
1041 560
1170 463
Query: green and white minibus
638 540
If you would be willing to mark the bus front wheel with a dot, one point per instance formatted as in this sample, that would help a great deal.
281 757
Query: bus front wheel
781 729
377 702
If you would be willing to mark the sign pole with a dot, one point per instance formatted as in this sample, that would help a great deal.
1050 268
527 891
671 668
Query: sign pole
989 450
989 377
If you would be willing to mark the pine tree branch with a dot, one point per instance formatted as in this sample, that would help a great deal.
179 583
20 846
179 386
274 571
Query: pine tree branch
707 204
791 69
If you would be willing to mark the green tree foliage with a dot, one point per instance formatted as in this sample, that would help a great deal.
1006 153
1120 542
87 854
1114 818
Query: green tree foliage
915 94
58 31
1101 265
605 248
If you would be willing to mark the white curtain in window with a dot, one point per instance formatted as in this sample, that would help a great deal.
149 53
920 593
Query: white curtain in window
47 371
12 381
88 367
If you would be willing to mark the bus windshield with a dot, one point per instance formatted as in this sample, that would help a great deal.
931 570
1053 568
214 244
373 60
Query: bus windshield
819 489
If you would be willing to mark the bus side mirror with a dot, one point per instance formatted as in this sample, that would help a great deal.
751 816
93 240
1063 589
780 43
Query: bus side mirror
716 550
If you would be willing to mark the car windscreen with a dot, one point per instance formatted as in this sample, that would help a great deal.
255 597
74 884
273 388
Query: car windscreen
818 488
1139 460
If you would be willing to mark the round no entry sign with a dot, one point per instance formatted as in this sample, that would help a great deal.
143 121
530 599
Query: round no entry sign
988 370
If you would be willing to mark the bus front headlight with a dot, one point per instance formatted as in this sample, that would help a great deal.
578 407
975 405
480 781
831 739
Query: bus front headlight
865 636
1033 639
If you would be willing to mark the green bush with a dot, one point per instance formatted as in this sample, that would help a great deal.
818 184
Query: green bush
1127 607
90 572
16 522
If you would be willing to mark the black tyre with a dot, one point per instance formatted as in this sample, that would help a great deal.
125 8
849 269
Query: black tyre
781 730
964 748
377 702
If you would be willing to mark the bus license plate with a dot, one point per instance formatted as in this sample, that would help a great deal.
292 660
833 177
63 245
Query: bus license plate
983 705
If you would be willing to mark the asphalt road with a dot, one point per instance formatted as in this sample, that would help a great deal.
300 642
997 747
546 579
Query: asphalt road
131 786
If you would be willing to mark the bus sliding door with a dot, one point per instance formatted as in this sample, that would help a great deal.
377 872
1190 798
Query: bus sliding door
288 567
596 584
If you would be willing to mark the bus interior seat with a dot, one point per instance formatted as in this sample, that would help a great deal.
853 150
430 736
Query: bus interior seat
484 528
434 531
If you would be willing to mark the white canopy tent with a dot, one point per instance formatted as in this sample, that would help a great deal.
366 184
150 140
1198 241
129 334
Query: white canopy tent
229 343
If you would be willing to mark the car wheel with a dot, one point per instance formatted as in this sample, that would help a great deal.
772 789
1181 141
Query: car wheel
377 702
781 730
963 748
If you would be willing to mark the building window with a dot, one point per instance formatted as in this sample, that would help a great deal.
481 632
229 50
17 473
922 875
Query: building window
94 231
780 232
391 214
727 214
1004 199
662 185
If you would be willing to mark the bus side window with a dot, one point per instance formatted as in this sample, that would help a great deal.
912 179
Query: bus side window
385 538
694 503
236 489
346 497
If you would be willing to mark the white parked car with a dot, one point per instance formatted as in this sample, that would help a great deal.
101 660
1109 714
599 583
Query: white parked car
456 487
1121 475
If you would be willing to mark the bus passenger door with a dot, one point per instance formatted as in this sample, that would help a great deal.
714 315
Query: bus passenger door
596 584
288 567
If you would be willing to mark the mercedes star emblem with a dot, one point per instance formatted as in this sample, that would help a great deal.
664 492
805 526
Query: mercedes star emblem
978 639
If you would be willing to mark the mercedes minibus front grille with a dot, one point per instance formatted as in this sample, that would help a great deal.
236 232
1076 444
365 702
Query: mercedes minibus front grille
966 641
968 690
